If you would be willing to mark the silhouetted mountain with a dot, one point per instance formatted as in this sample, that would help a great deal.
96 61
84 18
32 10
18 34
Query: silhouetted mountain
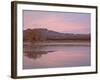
42 34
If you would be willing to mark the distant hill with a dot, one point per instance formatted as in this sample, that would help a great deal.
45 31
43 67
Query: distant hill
42 34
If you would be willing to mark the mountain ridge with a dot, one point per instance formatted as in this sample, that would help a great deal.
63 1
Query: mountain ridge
42 34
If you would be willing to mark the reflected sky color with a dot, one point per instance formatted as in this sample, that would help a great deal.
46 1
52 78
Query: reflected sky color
65 22
62 56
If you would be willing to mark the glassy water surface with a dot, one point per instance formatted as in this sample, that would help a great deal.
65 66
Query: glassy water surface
55 56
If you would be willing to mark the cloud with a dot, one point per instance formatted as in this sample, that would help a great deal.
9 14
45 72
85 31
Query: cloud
61 22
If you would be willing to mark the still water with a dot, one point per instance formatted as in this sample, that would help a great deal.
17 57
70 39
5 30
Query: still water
56 56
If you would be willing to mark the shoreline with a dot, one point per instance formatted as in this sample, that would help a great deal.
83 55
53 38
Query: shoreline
57 43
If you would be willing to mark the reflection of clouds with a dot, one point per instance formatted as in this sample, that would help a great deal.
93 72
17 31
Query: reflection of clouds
60 58
65 56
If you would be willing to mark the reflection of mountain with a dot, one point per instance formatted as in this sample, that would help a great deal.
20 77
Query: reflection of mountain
35 54
45 34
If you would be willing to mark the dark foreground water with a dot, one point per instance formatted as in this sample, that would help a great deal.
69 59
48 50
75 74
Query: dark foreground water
56 56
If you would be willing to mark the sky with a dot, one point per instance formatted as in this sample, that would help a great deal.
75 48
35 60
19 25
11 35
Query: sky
64 22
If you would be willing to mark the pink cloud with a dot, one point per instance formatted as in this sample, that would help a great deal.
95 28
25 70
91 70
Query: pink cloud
56 22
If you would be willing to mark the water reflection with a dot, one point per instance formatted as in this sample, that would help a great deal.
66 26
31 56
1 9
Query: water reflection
35 54
56 56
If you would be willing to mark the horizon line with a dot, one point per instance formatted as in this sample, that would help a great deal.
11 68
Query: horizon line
55 31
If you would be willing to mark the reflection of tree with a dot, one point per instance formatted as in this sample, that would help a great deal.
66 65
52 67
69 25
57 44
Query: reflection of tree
35 54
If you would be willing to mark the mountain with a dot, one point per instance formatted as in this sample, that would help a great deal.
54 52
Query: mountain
42 34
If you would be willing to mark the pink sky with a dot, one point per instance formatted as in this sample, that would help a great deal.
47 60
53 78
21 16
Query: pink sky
65 22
